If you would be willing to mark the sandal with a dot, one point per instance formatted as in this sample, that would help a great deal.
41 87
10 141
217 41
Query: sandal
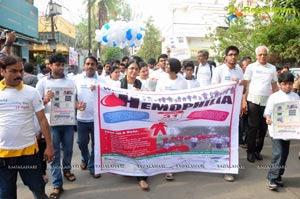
83 166
56 193
144 185
95 175
69 176
169 176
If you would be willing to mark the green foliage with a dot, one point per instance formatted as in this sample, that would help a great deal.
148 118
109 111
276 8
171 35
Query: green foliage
290 8
279 33
151 46
112 53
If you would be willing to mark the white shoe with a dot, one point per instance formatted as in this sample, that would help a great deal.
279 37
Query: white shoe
229 177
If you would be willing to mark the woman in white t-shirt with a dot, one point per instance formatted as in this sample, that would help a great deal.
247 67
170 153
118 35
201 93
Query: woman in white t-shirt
113 79
148 84
143 75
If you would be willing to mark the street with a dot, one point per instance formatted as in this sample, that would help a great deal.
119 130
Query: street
249 184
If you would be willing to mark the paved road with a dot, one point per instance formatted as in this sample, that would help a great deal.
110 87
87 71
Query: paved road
250 183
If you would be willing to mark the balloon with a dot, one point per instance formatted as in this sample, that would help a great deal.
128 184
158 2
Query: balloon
139 36
104 38
129 34
106 26
120 34
132 45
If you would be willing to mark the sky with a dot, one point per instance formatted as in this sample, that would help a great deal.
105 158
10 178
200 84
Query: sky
142 9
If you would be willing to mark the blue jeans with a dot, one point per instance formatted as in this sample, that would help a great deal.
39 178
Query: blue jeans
61 136
280 152
85 129
29 168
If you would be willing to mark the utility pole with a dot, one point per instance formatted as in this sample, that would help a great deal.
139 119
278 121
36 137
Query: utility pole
52 23
89 26
54 9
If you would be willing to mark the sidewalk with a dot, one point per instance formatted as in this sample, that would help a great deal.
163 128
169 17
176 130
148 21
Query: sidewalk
249 184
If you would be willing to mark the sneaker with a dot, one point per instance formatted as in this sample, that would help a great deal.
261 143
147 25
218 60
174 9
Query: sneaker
279 182
272 185
229 177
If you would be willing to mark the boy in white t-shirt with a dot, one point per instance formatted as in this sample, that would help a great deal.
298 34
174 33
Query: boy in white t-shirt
188 72
172 81
280 147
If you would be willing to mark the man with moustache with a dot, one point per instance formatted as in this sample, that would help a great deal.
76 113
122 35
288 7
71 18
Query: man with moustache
260 76
85 112
18 146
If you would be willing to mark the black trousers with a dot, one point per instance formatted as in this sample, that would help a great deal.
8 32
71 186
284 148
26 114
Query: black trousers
257 128
42 146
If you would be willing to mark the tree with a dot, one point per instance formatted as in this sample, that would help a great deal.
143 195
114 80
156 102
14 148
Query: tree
151 46
280 33
288 8
112 53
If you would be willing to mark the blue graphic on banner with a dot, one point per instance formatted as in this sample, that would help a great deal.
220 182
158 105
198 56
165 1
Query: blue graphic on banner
123 116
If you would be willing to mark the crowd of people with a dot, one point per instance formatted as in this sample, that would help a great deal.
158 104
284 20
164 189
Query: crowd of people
27 98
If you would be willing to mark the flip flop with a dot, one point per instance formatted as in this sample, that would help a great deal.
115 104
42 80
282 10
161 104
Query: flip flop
169 176
69 176
56 193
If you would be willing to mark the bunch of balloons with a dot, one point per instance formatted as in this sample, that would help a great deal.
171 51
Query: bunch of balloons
120 34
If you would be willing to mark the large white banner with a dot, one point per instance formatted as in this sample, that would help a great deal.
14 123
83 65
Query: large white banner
147 133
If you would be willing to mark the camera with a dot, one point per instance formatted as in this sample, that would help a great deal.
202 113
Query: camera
3 35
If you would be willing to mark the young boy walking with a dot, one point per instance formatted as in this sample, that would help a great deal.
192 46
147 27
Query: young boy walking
280 147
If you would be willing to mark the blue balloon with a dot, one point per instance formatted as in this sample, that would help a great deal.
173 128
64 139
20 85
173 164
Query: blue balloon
132 45
139 36
104 38
129 34
114 44
106 26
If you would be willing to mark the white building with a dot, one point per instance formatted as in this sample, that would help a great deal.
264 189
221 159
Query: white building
192 21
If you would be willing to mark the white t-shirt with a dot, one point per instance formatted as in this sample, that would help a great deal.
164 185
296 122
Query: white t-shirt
46 84
193 83
224 74
261 77
17 109
204 75
113 83
84 94
276 98
41 75
145 83
166 84
158 74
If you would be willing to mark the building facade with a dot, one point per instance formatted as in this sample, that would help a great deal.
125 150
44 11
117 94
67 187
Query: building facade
22 17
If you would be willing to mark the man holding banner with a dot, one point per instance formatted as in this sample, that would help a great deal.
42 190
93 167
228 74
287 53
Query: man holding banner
228 72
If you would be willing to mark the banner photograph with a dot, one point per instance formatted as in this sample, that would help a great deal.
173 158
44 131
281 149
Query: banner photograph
146 133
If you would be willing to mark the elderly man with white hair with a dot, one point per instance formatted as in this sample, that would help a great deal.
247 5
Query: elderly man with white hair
260 76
